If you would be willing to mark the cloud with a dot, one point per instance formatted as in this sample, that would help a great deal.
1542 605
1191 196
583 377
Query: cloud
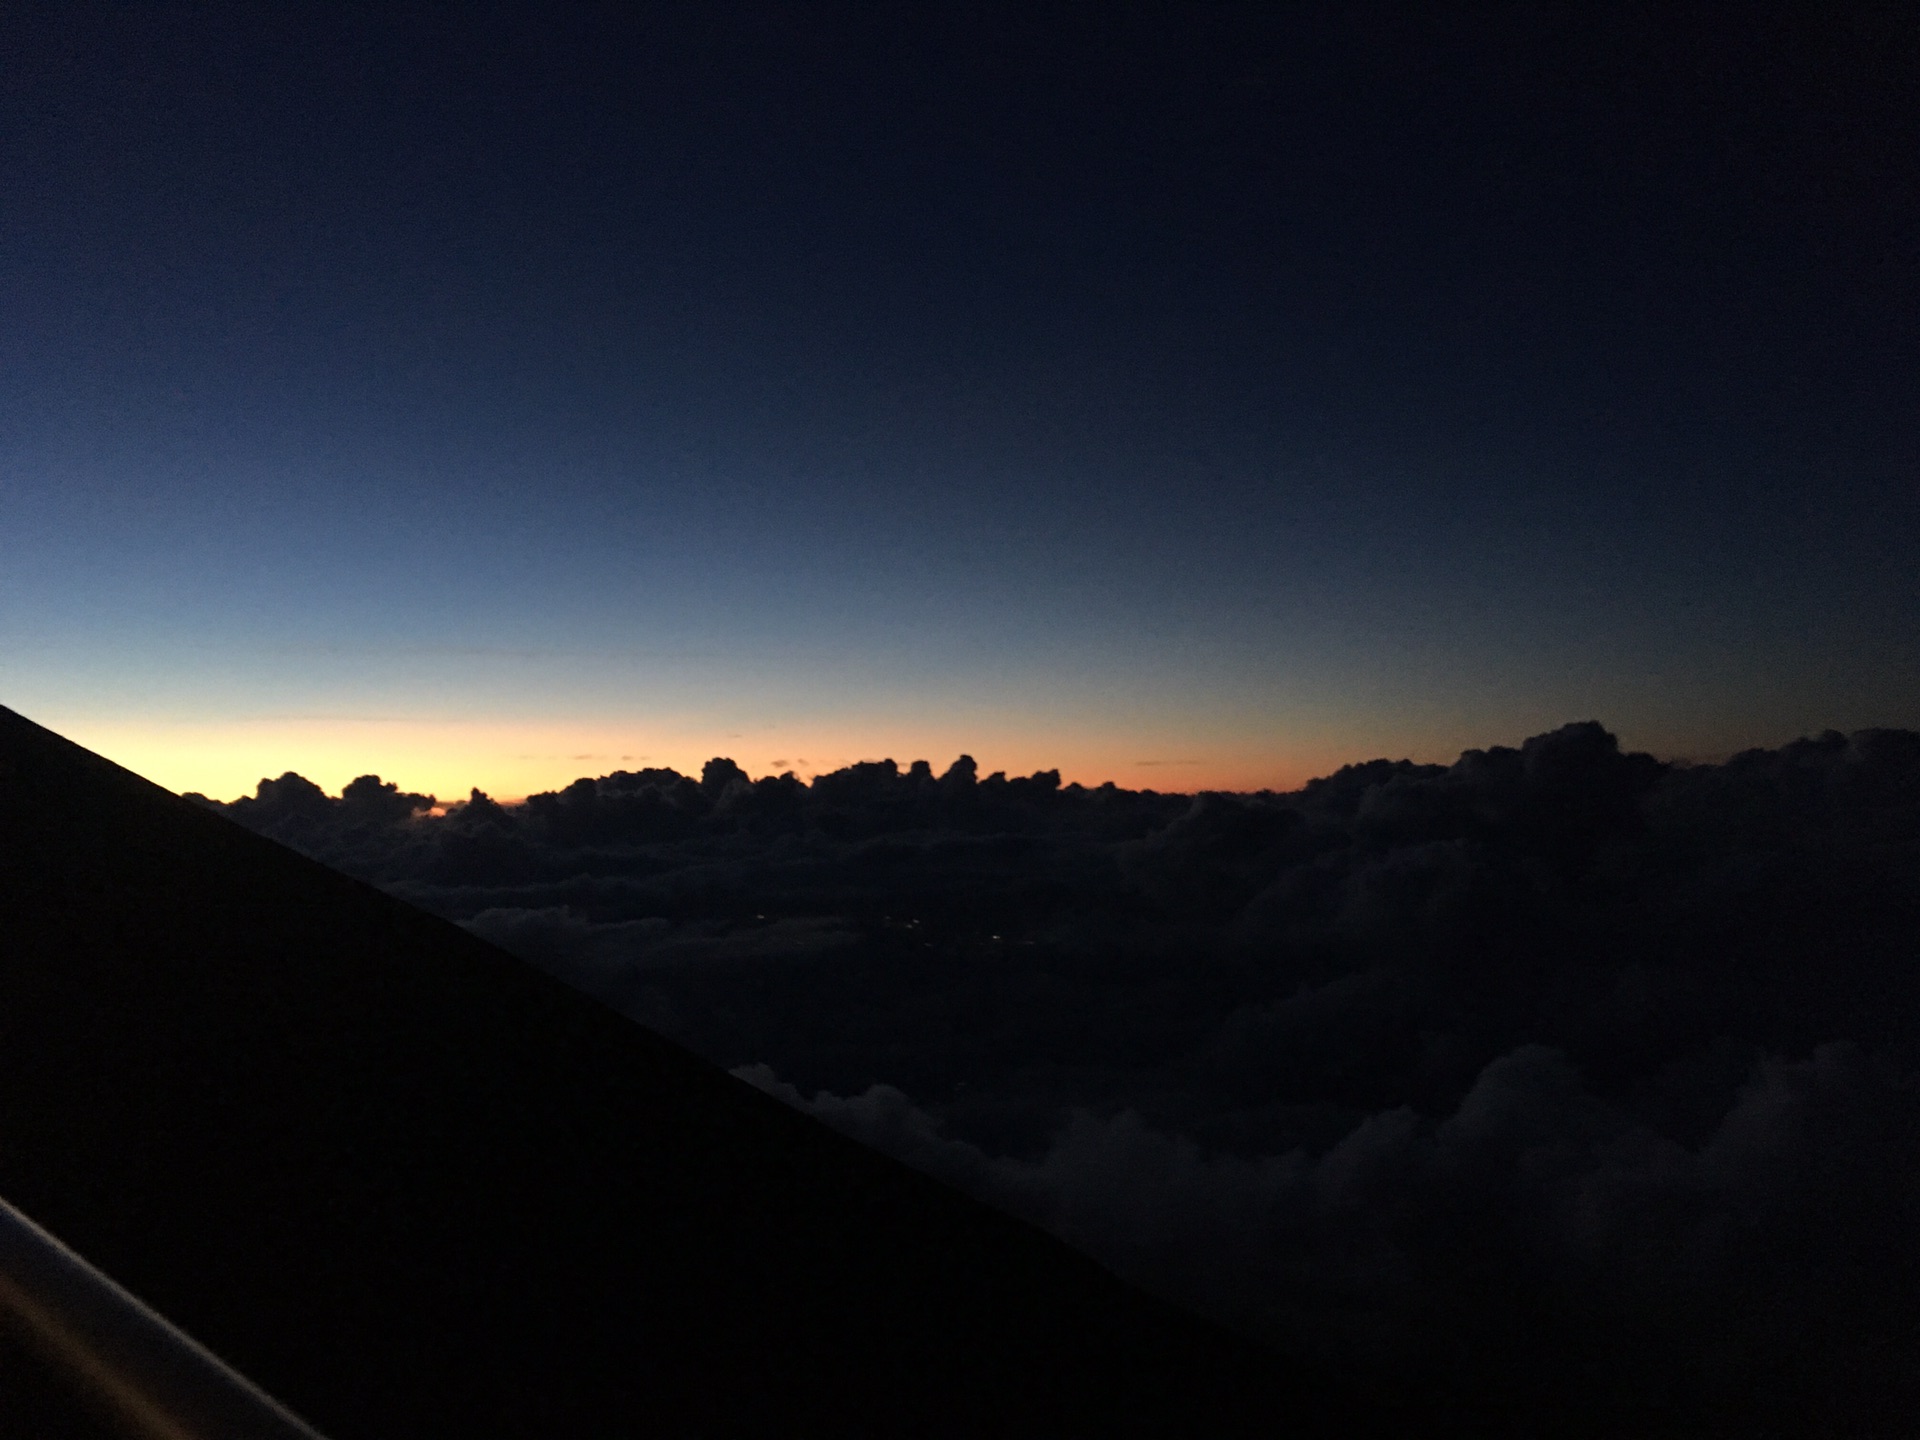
1581 1084
1592 1243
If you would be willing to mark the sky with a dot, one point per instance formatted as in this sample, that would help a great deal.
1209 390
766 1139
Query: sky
1178 396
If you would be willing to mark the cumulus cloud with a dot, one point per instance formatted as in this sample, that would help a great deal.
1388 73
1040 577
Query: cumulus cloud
1577 1082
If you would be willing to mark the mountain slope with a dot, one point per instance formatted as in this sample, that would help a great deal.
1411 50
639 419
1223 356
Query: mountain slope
414 1187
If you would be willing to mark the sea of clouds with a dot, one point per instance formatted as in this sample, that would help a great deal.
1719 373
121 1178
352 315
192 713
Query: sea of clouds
1554 1072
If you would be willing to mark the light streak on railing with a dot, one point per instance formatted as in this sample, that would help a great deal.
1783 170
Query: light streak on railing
156 1379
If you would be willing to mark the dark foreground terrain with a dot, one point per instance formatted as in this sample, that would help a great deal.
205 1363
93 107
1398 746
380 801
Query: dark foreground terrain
415 1187
1582 1084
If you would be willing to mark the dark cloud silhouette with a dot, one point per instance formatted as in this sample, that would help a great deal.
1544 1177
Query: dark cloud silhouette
1554 1072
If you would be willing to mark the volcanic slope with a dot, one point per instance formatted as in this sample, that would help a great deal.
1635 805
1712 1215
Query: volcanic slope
414 1187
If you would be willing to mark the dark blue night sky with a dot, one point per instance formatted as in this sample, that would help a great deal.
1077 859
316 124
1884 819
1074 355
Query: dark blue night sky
1174 396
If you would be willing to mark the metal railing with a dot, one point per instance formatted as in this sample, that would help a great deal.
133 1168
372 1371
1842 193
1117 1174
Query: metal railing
131 1361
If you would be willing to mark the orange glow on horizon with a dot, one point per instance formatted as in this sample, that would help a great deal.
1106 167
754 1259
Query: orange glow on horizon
510 761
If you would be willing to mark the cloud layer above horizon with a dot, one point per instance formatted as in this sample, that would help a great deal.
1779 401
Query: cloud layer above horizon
1580 1083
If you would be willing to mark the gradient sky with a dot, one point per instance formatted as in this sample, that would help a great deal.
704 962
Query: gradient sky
1169 395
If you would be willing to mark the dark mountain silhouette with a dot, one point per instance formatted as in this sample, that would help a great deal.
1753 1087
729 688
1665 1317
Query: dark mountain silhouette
413 1186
